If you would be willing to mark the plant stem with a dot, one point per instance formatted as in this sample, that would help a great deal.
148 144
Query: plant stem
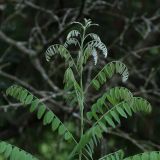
81 85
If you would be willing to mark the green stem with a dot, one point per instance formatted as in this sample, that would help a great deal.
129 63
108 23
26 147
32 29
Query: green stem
81 85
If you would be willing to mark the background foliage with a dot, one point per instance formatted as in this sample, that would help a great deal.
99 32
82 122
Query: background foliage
130 30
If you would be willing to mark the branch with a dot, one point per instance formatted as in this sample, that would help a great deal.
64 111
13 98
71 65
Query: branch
17 45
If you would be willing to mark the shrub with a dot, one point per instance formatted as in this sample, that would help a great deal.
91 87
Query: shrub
105 113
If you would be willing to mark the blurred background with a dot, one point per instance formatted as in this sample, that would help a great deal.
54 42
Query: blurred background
131 32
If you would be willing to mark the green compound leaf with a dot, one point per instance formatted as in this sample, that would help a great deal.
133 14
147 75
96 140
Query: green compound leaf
43 112
153 155
108 71
14 153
